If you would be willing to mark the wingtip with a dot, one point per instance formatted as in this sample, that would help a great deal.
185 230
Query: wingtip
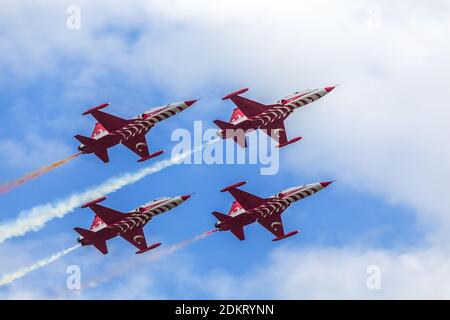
233 94
100 106
91 203
233 186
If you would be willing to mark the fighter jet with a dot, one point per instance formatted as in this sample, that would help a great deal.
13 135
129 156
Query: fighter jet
249 208
251 115
111 130
109 223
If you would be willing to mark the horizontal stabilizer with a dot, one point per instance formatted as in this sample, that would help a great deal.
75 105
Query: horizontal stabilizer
240 139
83 232
220 216
224 125
101 246
103 155
238 232
84 140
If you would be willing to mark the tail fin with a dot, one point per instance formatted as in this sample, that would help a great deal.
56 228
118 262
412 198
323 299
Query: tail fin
84 140
223 125
236 115
83 232
220 216
238 135
96 223
235 206
98 129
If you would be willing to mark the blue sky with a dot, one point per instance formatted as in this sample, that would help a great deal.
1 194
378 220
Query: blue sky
362 133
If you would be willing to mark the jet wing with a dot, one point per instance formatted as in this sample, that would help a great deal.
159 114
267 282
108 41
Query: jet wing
138 144
108 215
136 237
109 121
273 223
277 132
248 107
246 200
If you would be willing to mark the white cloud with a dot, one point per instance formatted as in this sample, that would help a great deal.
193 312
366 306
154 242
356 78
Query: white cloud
329 273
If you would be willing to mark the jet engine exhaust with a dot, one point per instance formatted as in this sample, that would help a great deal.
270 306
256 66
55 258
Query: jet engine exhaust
32 175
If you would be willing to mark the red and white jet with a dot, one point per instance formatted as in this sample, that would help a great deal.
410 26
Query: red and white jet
249 208
251 115
111 130
109 223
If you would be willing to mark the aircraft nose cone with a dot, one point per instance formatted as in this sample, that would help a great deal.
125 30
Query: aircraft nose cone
326 183
190 102
329 89
185 197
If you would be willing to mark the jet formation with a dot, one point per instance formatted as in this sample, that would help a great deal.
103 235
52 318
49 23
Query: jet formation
249 115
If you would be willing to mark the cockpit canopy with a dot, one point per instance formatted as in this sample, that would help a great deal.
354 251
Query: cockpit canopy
288 191
160 198
149 204
295 94
150 112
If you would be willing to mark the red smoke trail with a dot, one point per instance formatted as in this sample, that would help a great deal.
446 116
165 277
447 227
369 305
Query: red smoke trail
32 175
117 271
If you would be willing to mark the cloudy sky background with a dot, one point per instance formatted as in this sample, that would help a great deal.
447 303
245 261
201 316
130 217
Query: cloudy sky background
383 134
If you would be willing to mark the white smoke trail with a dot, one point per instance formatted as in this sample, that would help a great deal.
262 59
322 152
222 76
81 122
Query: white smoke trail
8 278
35 218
